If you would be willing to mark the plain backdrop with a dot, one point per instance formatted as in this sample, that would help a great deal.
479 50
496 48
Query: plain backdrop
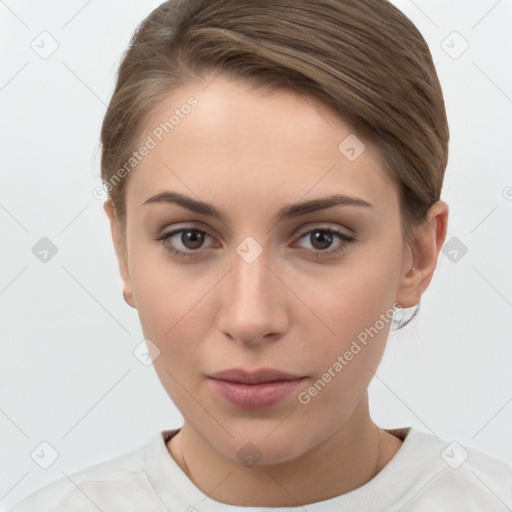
69 376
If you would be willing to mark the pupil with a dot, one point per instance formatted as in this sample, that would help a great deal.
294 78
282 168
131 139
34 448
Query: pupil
192 239
323 237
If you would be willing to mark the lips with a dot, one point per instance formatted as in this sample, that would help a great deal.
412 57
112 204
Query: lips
254 377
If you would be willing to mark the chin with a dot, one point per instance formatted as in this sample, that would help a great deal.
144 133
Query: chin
259 446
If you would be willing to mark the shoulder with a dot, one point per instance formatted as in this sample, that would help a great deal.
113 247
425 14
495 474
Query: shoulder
457 476
482 480
115 484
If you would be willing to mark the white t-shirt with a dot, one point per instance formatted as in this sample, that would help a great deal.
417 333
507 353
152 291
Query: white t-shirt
427 474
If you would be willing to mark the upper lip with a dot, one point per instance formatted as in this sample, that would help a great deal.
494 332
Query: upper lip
253 377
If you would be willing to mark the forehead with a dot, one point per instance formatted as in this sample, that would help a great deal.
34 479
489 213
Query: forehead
224 139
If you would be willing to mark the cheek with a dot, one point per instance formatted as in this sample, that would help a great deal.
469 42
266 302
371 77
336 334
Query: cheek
173 311
354 310
347 301
168 299
174 314
357 312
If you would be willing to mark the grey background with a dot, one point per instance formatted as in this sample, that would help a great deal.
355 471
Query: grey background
69 376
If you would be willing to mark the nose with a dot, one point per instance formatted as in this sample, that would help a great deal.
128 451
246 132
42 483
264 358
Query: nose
254 302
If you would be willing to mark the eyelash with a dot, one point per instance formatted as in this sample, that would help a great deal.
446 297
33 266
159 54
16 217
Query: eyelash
176 253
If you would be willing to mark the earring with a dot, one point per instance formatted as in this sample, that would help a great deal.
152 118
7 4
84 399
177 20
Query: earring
413 269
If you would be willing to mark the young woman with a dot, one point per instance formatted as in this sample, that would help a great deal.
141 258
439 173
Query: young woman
274 171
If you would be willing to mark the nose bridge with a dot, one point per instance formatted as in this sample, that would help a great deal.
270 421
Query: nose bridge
252 306
251 278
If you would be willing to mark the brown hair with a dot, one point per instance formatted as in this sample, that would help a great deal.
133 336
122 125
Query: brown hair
363 58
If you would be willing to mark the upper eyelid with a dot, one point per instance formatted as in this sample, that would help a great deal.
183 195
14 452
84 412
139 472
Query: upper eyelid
296 232
301 232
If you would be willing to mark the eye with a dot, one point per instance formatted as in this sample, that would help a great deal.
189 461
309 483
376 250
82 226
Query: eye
321 239
184 242
188 242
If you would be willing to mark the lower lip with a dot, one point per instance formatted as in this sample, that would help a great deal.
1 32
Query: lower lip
255 396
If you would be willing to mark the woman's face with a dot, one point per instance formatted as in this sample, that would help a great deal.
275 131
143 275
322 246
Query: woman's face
252 288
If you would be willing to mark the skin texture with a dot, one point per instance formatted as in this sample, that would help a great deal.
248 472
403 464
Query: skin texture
249 154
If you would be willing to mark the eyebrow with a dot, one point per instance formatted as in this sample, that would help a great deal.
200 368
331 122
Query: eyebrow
288 212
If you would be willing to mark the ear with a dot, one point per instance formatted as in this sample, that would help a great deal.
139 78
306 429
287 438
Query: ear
428 241
120 252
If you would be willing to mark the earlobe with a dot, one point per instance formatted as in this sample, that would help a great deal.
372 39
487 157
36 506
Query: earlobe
409 293
128 297
120 253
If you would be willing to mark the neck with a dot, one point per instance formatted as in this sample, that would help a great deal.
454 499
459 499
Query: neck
349 458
